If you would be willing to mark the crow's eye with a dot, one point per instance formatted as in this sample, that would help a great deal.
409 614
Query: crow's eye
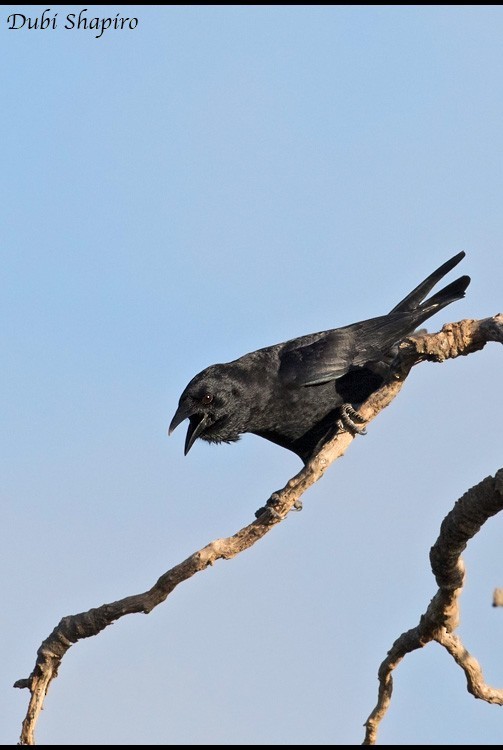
207 399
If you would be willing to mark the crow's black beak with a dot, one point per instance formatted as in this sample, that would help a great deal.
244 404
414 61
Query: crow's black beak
196 425
180 414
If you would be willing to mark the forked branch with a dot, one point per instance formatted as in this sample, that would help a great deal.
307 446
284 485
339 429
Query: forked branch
442 615
454 340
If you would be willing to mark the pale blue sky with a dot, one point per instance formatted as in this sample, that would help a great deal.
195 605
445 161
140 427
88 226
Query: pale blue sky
218 180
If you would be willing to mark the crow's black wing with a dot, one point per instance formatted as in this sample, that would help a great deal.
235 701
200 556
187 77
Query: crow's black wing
330 355
335 352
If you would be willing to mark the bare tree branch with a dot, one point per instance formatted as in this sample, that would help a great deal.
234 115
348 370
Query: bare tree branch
462 523
454 340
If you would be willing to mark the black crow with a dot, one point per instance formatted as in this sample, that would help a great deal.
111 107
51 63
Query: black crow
299 393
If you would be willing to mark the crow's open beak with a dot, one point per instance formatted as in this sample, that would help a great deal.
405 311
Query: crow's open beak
196 426
180 414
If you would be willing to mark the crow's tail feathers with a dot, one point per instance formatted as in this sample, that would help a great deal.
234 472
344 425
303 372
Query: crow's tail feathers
444 297
448 294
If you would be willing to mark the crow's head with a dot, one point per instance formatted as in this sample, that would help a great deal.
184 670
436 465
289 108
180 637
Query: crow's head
214 402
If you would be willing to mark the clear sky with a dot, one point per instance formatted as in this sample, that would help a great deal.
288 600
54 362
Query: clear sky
217 180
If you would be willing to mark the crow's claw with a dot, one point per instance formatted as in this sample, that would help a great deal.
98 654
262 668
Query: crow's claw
351 421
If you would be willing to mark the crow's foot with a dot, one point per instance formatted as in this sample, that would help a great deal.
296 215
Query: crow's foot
351 421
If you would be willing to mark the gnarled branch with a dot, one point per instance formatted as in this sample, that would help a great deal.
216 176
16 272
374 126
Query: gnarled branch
454 340
442 615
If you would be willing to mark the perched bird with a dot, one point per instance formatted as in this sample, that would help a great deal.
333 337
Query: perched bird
299 393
